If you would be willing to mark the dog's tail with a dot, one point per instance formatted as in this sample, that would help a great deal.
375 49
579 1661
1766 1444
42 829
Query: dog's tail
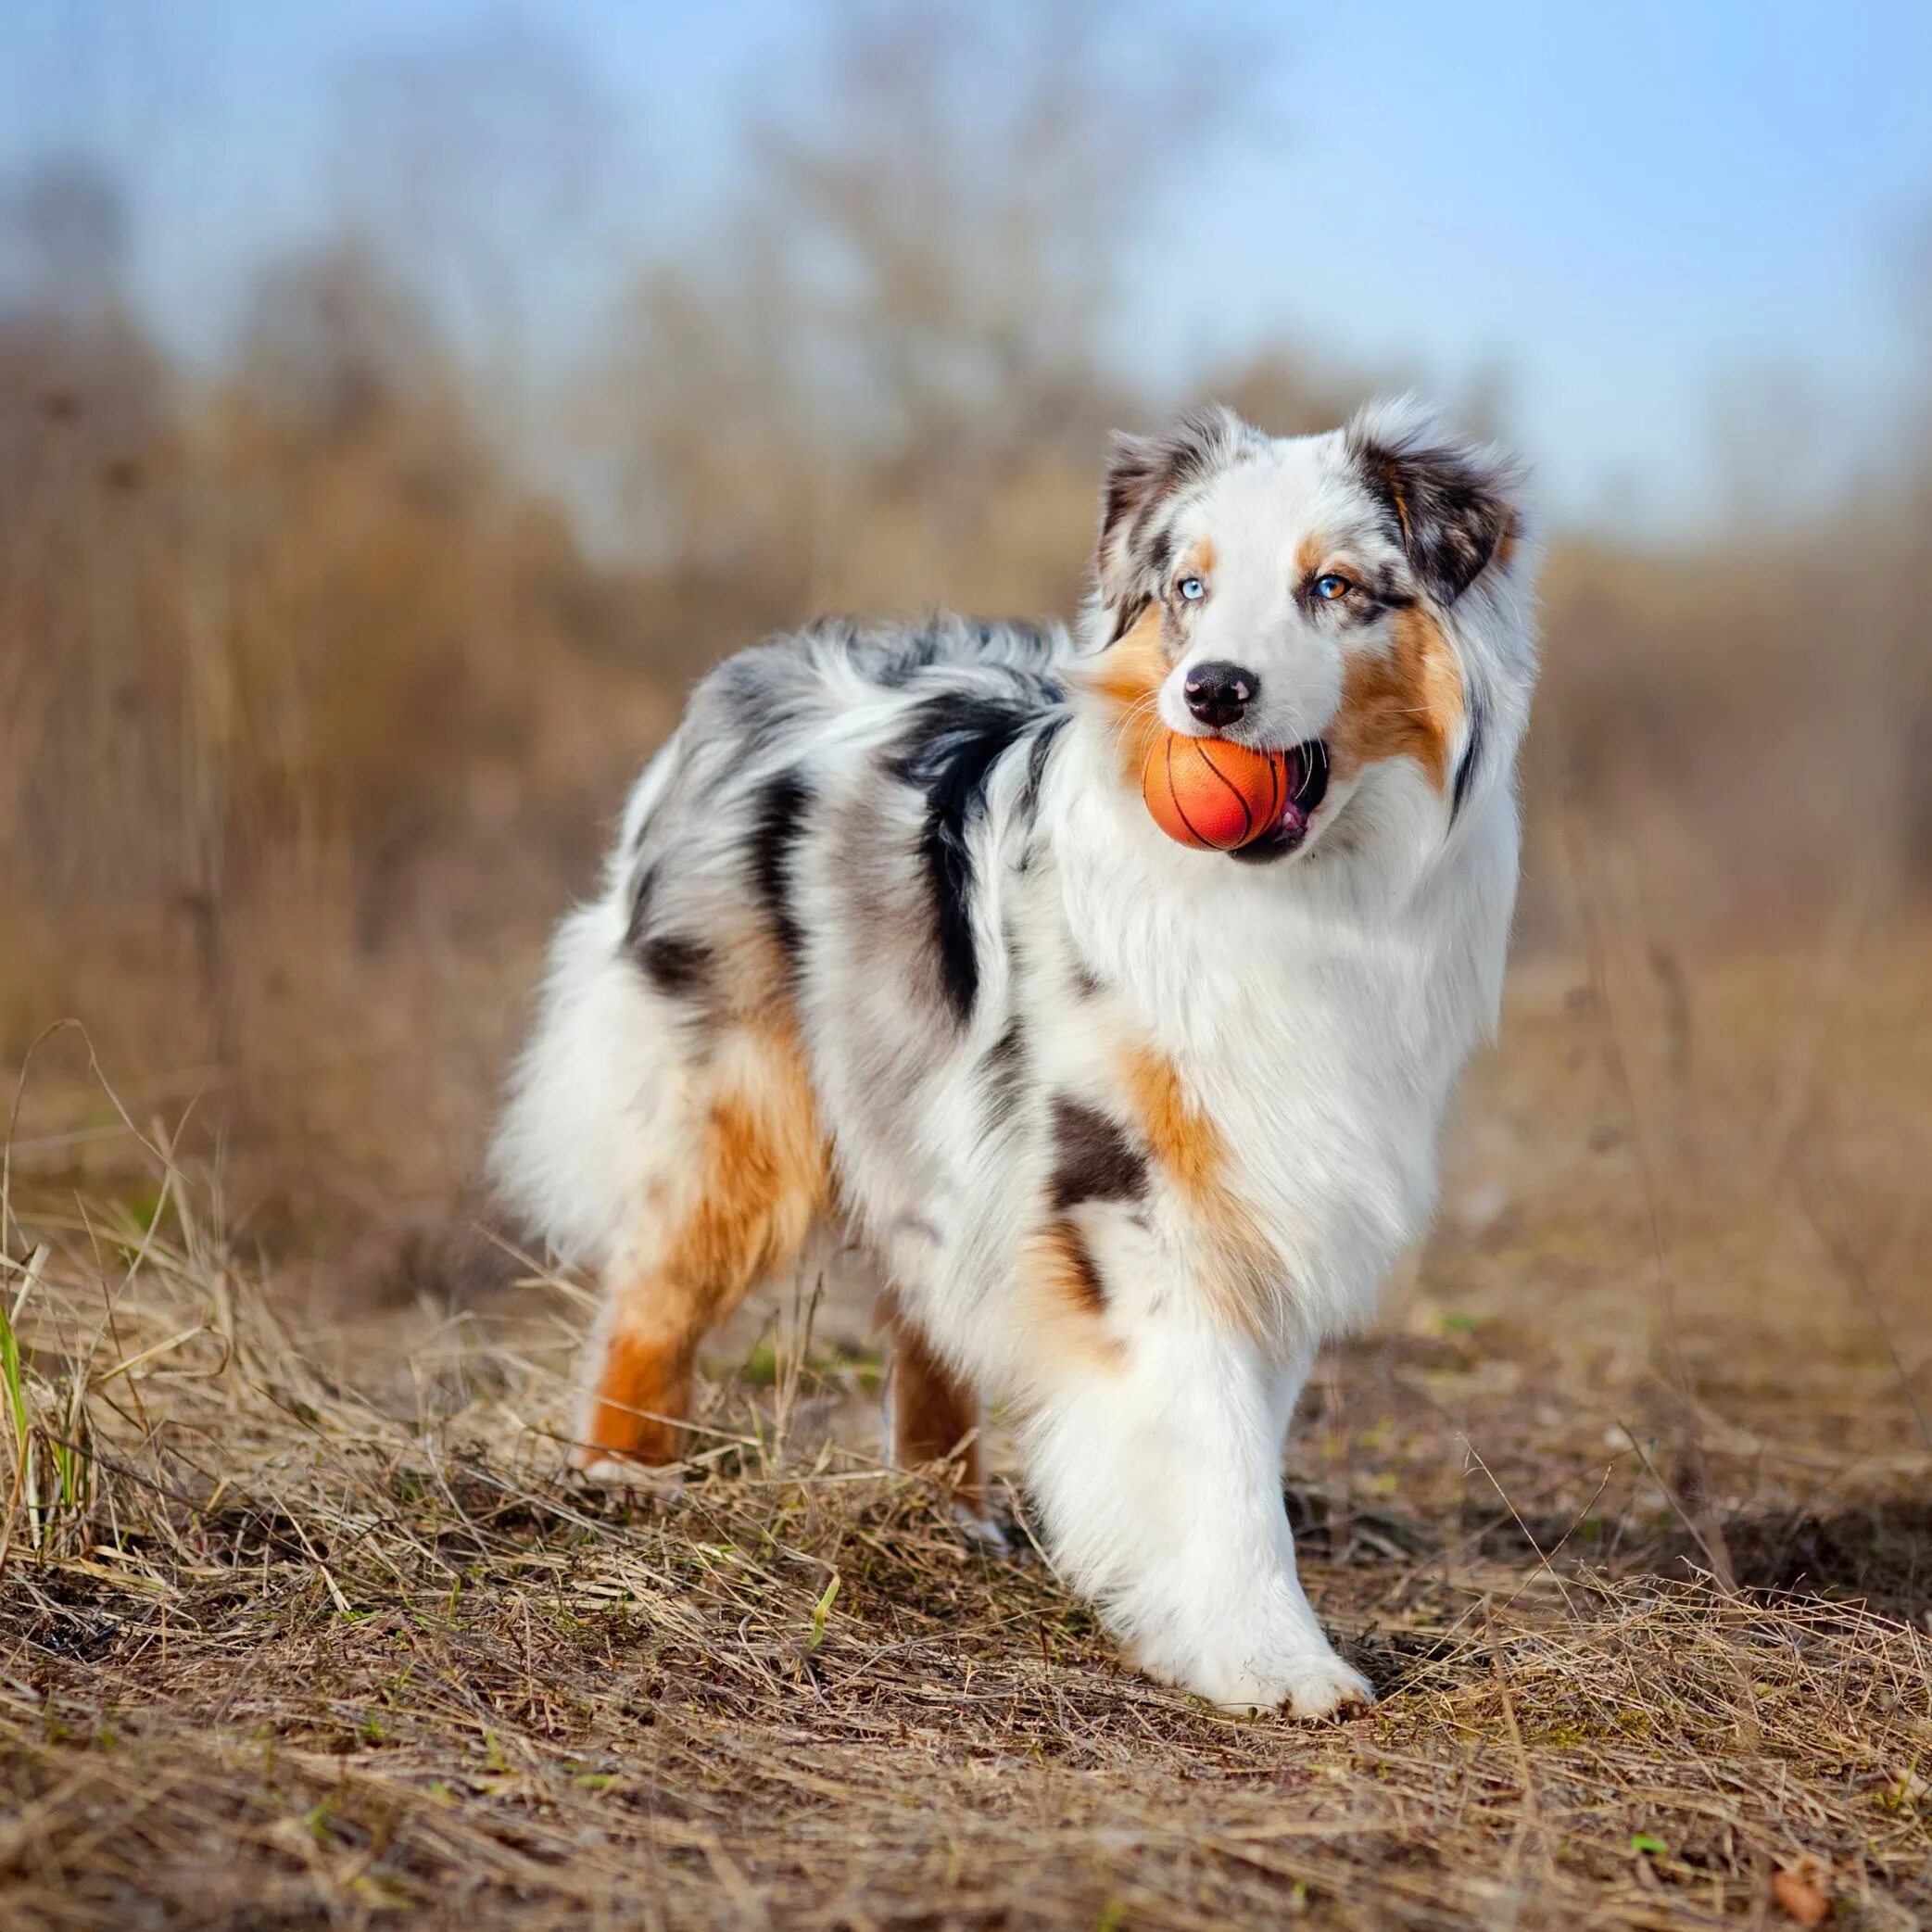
578 1136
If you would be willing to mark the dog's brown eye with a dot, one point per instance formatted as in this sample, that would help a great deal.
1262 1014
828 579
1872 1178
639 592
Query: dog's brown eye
1330 587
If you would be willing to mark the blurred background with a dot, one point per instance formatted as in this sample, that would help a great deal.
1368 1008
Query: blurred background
403 401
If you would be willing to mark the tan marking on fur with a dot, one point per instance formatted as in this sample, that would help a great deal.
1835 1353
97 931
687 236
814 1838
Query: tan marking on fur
1200 560
1184 1141
1402 702
933 1412
1072 1267
758 1178
1127 677
643 1392
1505 545
1190 1150
1065 1300
763 1168
1310 554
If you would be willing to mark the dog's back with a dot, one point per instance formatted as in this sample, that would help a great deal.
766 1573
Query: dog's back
822 804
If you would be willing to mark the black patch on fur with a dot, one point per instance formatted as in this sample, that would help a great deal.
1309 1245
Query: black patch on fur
778 825
1093 1159
949 754
1466 764
678 966
1004 1069
1037 756
1087 983
1006 1066
1146 469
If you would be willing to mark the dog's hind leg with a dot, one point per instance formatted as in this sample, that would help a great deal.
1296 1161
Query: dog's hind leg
933 1415
660 1130
737 1208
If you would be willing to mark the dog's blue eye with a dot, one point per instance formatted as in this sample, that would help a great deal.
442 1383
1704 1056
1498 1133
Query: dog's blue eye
1331 586
1191 589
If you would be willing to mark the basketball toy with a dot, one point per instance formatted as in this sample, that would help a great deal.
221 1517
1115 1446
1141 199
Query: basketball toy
1212 792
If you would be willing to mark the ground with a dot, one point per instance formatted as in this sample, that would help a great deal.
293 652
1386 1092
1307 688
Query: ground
1623 1507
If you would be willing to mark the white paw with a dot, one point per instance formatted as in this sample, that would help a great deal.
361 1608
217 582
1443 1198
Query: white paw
1323 1686
1308 1678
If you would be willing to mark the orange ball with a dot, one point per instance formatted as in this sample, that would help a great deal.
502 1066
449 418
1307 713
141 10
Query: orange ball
1212 792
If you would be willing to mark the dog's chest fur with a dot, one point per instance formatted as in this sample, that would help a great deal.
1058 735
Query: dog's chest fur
1317 1039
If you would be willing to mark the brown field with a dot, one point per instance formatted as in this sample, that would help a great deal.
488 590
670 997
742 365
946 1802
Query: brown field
1622 1506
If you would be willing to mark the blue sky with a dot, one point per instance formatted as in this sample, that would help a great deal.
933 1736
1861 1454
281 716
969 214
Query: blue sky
1627 208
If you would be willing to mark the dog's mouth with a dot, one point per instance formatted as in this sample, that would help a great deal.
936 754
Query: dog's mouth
1307 786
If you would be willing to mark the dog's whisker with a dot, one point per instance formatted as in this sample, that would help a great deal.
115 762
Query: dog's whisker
1132 716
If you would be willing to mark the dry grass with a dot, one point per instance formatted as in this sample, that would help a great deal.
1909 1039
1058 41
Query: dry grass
311 1627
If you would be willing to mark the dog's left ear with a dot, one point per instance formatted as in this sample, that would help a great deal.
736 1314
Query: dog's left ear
1143 474
1457 503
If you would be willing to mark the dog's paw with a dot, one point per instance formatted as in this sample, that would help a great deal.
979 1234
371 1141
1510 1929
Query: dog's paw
1324 1686
1316 1686
1306 1680
988 1532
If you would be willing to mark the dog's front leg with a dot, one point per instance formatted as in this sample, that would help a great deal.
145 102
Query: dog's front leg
1157 1472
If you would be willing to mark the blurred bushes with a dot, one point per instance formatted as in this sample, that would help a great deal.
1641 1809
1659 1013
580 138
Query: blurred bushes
312 709
298 683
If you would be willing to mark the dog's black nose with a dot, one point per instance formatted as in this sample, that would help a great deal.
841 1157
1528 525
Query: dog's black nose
1219 692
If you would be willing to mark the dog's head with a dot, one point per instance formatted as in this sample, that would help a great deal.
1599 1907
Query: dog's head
1358 600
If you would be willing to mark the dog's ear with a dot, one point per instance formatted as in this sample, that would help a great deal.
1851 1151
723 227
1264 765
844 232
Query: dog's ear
1143 474
1457 503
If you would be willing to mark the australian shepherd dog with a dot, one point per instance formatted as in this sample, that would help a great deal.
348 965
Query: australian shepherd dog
891 944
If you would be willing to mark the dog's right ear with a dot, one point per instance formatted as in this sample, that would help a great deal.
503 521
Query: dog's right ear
1144 475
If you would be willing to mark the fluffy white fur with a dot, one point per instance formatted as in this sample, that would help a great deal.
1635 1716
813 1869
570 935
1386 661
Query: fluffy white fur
1314 1011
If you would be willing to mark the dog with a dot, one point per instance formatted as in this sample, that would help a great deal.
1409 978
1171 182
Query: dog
890 943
